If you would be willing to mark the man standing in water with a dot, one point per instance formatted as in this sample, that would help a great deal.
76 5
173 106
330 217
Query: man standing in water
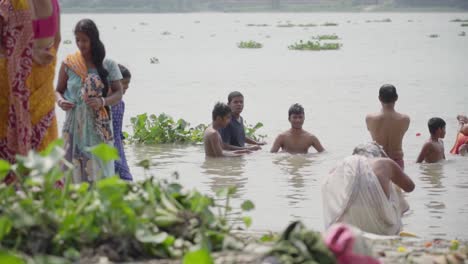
233 134
296 140
388 127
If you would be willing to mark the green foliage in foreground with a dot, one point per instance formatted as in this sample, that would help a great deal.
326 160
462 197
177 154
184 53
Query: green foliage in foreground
153 129
326 37
249 45
124 221
314 45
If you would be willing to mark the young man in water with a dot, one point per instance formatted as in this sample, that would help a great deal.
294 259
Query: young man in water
233 134
388 127
433 149
296 140
212 139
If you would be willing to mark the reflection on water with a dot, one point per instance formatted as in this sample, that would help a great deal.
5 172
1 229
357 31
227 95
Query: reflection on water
225 172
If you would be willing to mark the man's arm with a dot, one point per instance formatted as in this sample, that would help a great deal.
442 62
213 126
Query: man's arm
215 144
400 178
277 144
423 153
315 142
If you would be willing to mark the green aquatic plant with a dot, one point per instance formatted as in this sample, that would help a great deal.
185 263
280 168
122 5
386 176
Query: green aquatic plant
258 25
249 45
330 24
464 25
326 37
307 25
434 36
122 220
459 20
153 129
286 25
314 45
386 20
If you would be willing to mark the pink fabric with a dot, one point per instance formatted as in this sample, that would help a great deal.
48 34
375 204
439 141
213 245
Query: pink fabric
340 240
47 27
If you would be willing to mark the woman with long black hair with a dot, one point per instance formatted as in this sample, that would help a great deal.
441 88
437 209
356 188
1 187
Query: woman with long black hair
87 85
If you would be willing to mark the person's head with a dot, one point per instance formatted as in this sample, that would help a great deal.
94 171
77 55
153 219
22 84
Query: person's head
126 75
370 150
388 94
436 127
221 114
90 45
236 102
296 116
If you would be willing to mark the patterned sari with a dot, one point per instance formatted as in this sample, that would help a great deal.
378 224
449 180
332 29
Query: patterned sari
85 127
27 96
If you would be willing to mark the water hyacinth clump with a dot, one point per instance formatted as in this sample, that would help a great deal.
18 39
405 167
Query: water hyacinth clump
386 20
286 25
434 36
330 24
249 45
258 25
464 25
326 37
314 45
458 20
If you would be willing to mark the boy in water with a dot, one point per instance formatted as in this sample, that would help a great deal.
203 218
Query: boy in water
433 149
221 116
233 134
296 140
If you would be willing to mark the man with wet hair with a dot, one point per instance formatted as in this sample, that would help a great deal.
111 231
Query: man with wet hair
433 149
233 134
221 116
388 127
296 140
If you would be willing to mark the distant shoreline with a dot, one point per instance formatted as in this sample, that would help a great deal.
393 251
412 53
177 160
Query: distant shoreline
292 9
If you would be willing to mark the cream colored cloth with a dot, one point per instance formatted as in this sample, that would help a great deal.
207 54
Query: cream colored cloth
352 194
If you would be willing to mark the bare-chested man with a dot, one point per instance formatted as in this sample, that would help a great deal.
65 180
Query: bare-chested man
212 139
388 127
296 140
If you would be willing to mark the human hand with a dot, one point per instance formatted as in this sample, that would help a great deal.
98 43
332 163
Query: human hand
242 151
42 56
254 148
261 143
94 102
65 105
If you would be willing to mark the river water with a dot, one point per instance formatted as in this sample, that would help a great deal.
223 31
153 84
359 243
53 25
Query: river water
199 64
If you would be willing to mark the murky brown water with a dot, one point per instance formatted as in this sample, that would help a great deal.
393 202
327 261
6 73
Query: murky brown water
200 64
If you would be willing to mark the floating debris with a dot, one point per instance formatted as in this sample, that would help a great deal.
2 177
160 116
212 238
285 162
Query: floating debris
464 25
459 20
143 24
154 60
434 36
386 20
330 24
166 33
462 34
286 25
258 25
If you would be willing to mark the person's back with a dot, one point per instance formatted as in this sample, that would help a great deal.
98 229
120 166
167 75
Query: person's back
433 150
389 127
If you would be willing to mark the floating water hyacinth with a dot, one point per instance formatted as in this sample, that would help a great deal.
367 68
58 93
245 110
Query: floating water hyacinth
314 45
249 45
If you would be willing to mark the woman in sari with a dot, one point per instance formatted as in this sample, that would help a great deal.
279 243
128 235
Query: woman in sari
87 85
461 142
27 95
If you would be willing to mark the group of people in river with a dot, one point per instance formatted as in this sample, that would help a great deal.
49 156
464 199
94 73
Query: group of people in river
364 189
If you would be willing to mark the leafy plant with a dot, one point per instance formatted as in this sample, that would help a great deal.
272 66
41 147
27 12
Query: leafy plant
326 37
249 45
251 131
125 221
386 20
464 25
153 129
258 25
314 45
330 24
459 20
286 25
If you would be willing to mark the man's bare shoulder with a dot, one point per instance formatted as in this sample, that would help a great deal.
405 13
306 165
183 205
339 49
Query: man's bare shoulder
373 117
210 132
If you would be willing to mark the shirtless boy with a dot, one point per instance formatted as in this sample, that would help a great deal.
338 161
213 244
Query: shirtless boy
212 139
296 140
388 127
433 149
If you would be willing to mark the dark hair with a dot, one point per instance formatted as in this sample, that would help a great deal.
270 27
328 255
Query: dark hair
221 110
98 51
435 123
295 109
125 72
388 94
234 94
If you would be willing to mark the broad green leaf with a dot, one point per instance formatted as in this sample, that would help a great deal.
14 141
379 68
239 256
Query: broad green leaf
10 258
222 193
247 205
201 256
44 259
247 221
72 254
5 226
4 169
56 143
105 152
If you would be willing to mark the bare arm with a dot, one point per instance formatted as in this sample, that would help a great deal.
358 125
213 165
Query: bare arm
231 147
215 144
116 95
61 88
423 153
277 144
315 142
400 178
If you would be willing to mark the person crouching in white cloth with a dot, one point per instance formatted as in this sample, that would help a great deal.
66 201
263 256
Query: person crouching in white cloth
361 191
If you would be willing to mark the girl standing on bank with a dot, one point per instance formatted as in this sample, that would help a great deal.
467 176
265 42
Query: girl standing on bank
87 85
